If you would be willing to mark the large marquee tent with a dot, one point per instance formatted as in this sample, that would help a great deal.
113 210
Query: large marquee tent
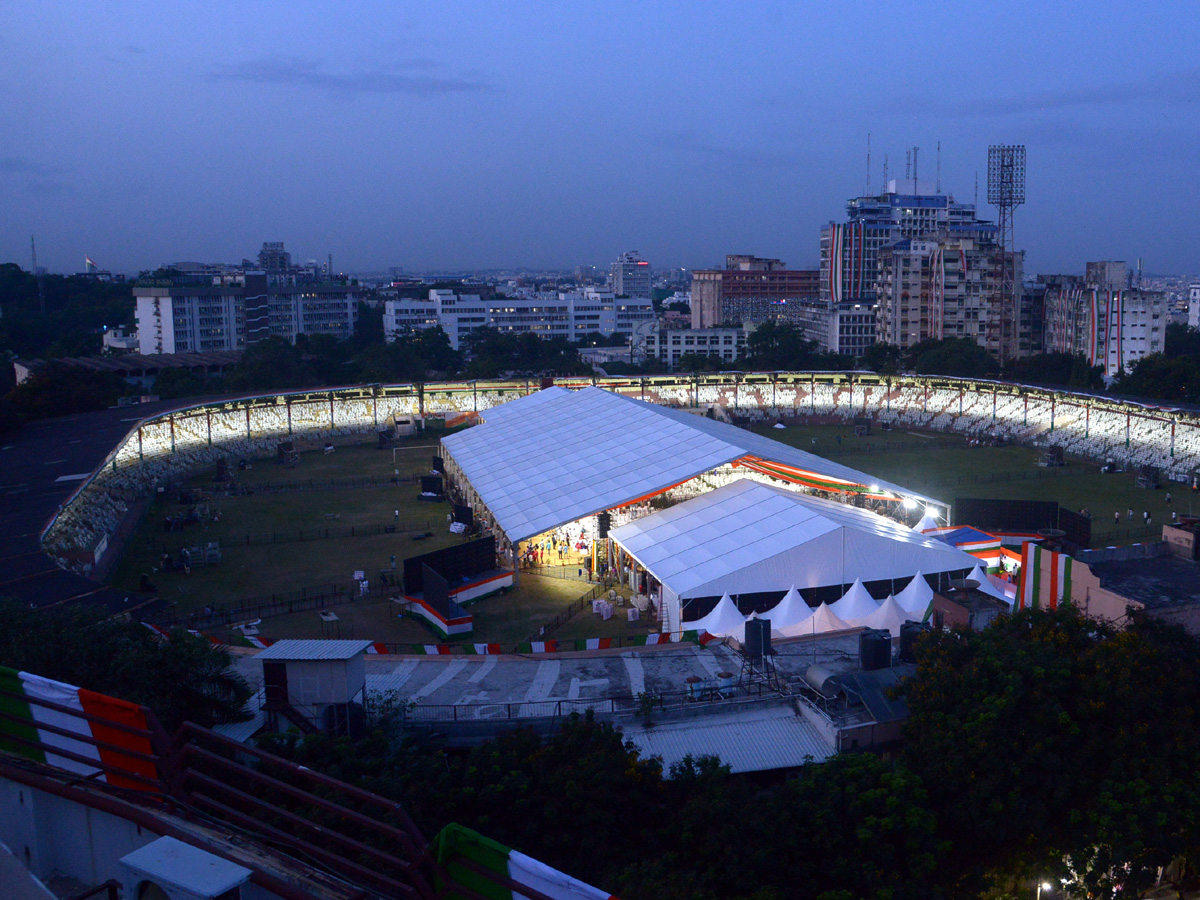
556 456
749 537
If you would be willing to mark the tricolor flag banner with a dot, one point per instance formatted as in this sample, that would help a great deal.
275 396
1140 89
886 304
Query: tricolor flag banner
31 722
1045 575
456 845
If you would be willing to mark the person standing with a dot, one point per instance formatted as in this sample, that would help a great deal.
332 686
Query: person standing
1117 517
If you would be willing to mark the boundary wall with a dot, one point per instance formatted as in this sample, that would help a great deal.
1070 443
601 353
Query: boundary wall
168 446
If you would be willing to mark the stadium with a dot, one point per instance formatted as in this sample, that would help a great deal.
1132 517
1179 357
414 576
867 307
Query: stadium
169 445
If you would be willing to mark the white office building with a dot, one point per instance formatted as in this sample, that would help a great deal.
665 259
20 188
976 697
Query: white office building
669 345
630 276
567 314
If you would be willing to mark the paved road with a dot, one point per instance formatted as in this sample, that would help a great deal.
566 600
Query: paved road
41 464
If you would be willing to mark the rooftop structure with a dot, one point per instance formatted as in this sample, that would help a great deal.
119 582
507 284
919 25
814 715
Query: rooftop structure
749 290
630 276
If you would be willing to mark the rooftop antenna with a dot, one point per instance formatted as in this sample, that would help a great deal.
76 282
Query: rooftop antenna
867 192
40 275
939 167
916 151
907 165
976 190
885 173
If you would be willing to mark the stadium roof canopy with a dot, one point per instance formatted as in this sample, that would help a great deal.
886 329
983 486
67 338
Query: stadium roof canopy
749 537
555 456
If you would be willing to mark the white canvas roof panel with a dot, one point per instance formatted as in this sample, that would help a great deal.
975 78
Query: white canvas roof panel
771 538
555 456
746 742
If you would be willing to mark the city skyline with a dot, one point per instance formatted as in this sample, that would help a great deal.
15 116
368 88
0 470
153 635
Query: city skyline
477 137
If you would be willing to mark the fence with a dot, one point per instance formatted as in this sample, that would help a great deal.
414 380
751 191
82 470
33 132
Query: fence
317 534
624 705
568 613
329 484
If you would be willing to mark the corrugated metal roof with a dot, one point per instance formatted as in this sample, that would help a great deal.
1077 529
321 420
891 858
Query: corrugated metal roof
243 731
314 649
747 742
555 456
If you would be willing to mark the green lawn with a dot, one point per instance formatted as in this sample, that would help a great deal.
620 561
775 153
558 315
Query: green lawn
506 619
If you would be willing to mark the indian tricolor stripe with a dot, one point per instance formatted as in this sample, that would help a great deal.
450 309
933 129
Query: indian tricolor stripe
1045 575
33 730
480 865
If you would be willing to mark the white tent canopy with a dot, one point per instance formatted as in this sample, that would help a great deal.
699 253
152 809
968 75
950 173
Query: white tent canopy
791 610
927 522
724 620
748 537
555 456
820 622
890 616
915 598
856 603
986 586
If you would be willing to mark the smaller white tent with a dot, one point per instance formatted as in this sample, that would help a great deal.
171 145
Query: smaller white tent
916 597
986 585
723 621
821 621
890 615
791 610
927 522
856 603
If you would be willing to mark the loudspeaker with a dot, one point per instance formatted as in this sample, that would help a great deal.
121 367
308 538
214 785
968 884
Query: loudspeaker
604 521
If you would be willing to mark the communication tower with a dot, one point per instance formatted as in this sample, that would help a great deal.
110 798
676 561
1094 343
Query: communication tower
1006 191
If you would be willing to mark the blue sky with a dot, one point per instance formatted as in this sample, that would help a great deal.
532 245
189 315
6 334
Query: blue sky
504 134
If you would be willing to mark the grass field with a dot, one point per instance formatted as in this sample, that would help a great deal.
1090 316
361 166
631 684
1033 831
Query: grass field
941 466
503 619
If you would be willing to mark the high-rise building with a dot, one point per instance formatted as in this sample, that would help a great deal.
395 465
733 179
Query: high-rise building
938 288
273 258
906 210
223 314
1111 326
630 276
750 290
1193 306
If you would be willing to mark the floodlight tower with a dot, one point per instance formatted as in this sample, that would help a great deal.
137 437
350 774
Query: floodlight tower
1006 191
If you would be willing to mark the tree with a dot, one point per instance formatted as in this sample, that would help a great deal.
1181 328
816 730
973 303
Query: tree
952 356
272 364
58 389
183 679
883 359
174 383
774 346
1175 378
1054 746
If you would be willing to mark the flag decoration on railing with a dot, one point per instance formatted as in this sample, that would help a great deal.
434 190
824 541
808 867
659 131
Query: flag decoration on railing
1054 583
24 720
456 845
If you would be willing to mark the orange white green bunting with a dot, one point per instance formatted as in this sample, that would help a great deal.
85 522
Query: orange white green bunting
455 845
31 724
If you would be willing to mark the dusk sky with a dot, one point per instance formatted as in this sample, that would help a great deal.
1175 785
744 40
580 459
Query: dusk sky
483 135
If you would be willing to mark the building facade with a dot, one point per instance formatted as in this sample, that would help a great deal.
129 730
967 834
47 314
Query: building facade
750 290
668 346
630 276
1111 327
566 314
943 287
200 316
850 253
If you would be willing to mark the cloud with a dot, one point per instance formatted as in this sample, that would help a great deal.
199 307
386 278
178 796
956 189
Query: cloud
395 78
1171 89
35 177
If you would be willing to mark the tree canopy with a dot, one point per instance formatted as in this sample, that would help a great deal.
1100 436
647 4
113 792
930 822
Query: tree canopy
183 679
1055 747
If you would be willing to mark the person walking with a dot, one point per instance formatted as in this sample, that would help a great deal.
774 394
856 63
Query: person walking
1117 517
1130 512
1168 498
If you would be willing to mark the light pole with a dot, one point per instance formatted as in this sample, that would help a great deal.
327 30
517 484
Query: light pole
1043 886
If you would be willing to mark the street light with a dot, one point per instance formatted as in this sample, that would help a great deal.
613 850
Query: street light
1043 886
